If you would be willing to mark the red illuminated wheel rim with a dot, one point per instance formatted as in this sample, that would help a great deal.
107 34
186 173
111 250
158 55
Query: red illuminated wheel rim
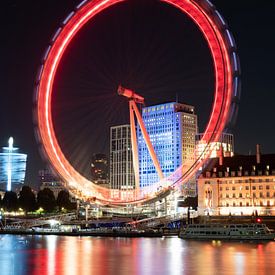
226 67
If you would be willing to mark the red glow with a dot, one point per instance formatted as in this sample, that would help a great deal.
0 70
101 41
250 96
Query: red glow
130 94
134 145
147 141
221 105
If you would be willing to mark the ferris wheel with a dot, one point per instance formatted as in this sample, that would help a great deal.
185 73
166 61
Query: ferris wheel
224 109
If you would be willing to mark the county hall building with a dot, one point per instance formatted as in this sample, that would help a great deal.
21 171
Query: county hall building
239 185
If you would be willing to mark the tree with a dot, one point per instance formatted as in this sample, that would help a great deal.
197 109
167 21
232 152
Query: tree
46 200
26 199
63 200
10 202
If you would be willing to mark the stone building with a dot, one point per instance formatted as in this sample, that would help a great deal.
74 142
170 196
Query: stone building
239 185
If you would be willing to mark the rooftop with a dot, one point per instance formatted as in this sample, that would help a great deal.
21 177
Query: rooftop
243 165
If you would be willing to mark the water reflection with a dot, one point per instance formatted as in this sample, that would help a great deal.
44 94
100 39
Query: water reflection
89 255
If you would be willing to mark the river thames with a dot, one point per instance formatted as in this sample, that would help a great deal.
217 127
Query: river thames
91 255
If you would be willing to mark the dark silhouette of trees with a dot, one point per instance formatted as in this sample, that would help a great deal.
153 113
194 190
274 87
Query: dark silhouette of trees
63 200
27 199
46 200
9 201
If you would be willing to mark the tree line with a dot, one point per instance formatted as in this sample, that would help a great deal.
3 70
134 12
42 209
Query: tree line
45 200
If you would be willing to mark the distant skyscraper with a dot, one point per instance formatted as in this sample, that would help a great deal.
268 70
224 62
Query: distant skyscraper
121 160
224 146
12 168
99 169
172 128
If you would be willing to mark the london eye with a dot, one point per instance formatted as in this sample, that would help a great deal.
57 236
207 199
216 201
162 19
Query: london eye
226 92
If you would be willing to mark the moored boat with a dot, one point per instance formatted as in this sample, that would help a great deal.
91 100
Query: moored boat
213 231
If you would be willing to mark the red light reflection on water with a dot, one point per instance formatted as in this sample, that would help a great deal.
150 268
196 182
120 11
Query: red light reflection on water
48 255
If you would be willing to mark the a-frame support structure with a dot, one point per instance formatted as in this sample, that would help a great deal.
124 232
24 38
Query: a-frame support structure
134 112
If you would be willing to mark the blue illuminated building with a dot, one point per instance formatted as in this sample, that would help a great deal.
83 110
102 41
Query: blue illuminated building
172 128
12 168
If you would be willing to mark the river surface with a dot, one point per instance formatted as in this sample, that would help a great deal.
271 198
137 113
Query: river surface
91 255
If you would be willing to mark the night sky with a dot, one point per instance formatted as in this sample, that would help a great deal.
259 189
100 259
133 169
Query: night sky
147 46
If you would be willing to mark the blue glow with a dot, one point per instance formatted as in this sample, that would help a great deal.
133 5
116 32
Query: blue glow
209 3
40 72
236 86
81 4
68 18
56 34
12 167
220 17
230 37
46 53
235 61
164 124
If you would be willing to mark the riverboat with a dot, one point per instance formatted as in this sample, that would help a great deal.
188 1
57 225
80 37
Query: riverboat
254 231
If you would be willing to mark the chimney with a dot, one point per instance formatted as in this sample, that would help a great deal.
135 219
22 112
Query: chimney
258 153
221 155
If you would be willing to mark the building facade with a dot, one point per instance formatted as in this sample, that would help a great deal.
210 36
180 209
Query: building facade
100 170
121 159
172 128
48 179
46 175
225 146
240 185
54 186
12 168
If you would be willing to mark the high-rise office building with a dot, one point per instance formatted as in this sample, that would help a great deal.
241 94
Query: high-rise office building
121 159
99 169
224 146
172 128
12 168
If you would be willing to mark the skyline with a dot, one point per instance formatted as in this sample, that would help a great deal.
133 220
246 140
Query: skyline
29 46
